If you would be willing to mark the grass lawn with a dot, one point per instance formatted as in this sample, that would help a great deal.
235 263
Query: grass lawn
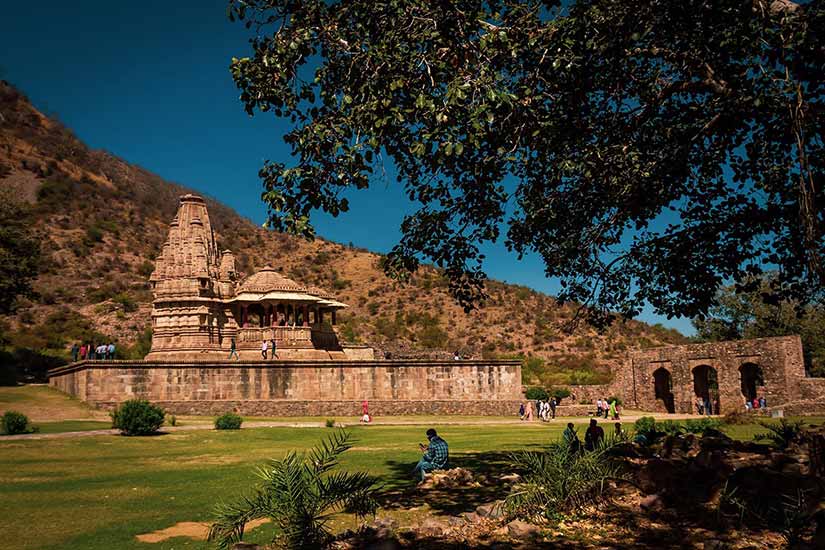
99 492
102 491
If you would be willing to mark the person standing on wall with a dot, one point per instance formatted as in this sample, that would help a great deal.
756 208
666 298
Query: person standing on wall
273 348
233 350
263 350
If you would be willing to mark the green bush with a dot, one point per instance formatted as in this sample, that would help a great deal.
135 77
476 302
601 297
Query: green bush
137 417
699 425
16 423
330 423
669 427
228 421
560 393
537 393
646 426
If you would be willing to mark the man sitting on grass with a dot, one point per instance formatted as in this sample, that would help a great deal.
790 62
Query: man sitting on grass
436 455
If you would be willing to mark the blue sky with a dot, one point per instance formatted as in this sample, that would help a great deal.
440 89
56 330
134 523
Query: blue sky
149 82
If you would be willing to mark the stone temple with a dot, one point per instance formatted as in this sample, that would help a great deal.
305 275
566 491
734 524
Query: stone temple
201 304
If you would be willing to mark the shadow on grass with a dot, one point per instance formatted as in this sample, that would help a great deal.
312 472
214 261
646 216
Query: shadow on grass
487 468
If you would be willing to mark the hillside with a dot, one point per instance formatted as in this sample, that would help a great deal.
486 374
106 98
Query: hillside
102 221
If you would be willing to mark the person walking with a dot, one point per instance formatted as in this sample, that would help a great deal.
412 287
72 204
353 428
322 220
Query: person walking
763 402
613 413
233 349
529 411
272 347
521 411
75 352
553 405
111 351
599 407
263 349
83 352
700 406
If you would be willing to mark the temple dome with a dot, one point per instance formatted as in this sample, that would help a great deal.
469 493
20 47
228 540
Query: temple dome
269 280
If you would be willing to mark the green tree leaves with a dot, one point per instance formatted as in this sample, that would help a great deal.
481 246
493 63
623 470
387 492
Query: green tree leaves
658 149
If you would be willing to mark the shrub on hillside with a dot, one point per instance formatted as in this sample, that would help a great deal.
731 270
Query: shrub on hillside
137 417
536 393
228 421
560 393
16 423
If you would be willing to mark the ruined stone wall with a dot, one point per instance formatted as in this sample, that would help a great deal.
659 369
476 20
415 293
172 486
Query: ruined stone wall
296 387
780 360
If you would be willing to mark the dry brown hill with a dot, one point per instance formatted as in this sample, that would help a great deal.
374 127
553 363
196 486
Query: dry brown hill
103 220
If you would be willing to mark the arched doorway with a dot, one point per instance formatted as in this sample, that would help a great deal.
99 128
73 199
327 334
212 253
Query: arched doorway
706 387
751 377
663 386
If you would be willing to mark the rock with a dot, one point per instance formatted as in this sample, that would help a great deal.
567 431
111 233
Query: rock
455 477
510 478
492 510
431 528
627 450
381 528
652 503
471 517
715 544
522 530
456 521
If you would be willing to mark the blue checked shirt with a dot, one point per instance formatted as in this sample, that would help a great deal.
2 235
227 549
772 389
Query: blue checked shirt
437 452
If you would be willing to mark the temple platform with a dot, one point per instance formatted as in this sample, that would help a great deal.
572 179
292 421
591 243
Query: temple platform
299 387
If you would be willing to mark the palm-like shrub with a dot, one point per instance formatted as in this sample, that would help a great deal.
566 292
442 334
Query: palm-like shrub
782 434
299 493
560 479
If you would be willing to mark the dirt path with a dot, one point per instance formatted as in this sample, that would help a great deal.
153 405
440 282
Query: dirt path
626 419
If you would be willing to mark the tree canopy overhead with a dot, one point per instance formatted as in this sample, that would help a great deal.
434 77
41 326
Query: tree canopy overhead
658 148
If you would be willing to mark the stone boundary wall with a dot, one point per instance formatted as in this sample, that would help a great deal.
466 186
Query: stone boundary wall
284 388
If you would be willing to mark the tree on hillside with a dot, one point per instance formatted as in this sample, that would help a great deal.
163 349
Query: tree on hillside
647 151
747 315
19 253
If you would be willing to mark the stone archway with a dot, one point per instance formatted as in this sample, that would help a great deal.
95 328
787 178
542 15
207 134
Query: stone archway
706 386
751 377
663 387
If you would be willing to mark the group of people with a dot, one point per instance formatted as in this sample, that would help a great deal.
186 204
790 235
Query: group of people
704 405
546 409
593 437
608 408
755 404
268 349
91 352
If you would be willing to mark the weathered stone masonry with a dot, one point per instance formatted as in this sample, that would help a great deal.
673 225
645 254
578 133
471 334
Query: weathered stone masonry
292 388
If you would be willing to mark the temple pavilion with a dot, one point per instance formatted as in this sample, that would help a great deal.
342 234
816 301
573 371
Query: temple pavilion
201 303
